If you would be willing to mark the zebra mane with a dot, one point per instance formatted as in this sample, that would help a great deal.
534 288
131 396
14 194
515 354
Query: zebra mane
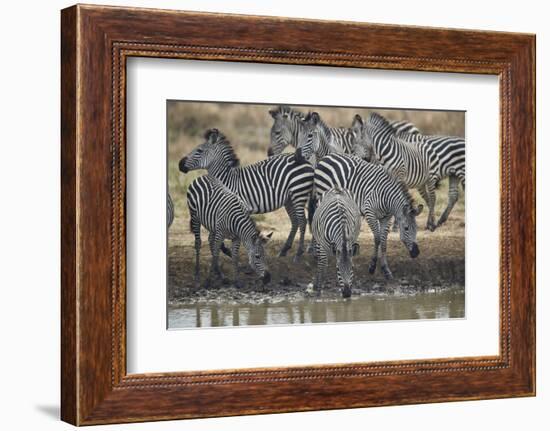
214 136
288 111
406 193
378 120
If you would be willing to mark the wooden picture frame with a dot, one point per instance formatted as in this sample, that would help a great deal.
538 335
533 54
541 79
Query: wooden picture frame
95 43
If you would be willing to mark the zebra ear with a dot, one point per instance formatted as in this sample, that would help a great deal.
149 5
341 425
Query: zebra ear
211 135
355 249
357 121
314 117
418 210
273 113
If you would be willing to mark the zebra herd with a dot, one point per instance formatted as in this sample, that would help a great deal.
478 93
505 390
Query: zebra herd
343 174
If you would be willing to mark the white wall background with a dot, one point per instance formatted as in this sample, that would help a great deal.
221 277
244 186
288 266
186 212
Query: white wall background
29 214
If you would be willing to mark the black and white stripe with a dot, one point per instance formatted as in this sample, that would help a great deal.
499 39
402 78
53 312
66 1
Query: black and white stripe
225 216
336 226
265 186
419 161
378 195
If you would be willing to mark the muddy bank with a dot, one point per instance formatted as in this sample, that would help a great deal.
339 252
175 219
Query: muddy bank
428 273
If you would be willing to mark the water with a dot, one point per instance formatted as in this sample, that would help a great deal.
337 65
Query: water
443 304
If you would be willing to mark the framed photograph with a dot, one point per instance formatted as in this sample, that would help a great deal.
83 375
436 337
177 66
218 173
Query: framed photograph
279 207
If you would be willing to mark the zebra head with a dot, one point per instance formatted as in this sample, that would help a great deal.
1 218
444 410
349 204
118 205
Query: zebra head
406 219
256 256
344 264
309 139
285 128
215 149
363 143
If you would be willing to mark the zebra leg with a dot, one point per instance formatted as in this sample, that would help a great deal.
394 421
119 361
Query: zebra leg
294 228
375 228
453 197
214 241
196 229
302 224
428 194
384 230
322 263
235 256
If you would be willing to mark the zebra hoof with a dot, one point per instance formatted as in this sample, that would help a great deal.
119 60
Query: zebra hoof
238 284
387 273
372 267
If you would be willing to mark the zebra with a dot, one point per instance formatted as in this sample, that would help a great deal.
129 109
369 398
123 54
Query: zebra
169 210
336 226
225 216
321 139
287 129
265 186
378 195
419 161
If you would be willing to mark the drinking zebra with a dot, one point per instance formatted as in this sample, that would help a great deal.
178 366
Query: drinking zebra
419 161
169 210
378 195
336 226
265 186
225 216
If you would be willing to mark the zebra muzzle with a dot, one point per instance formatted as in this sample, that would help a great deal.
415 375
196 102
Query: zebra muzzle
346 291
414 251
182 166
